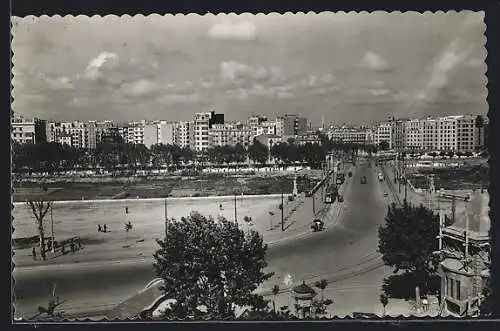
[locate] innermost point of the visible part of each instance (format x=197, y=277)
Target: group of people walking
x=103, y=228
x=74, y=246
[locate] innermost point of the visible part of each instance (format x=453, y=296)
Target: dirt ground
x=121, y=188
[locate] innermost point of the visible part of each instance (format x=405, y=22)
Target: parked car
x=340, y=198
x=386, y=194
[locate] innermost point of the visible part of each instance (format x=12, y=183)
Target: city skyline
x=335, y=66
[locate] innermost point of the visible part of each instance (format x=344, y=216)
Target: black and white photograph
x=250, y=167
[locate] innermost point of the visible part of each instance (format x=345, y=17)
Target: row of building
x=205, y=130
x=459, y=133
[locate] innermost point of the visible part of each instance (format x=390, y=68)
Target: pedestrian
x=79, y=244
x=126, y=210
x=425, y=304
x=99, y=229
x=63, y=248
x=72, y=246
x=105, y=228
x=33, y=253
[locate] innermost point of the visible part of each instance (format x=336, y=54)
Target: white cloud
x=109, y=60
x=379, y=92
x=179, y=99
x=60, y=83
x=445, y=65
x=475, y=62
x=139, y=88
x=233, y=31
x=231, y=71
x=374, y=62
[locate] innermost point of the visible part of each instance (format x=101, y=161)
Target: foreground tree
x=211, y=264
x=407, y=242
x=39, y=209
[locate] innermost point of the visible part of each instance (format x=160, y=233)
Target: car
x=317, y=225
x=386, y=194
x=340, y=198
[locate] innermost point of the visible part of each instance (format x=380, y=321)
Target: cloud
x=374, y=62
x=233, y=31
x=60, y=83
x=379, y=92
x=170, y=99
x=475, y=62
x=105, y=60
x=139, y=88
x=231, y=71
x=258, y=90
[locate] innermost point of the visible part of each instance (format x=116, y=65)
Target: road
x=341, y=252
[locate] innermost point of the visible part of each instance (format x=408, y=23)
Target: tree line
x=52, y=157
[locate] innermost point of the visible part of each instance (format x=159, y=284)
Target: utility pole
x=406, y=188
x=282, y=213
x=166, y=217
x=314, y=204
x=235, y=212
x=466, y=229
x=52, y=226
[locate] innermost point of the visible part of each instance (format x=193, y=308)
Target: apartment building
x=166, y=133
x=398, y=133
x=384, y=132
x=430, y=129
x=32, y=130
x=348, y=135
x=230, y=134
x=202, y=124
x=467, y=133
x=184, y=134
x=414, y=134
x=70, y=133
x=292, y=125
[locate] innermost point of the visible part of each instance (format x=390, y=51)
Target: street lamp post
x=52, y=227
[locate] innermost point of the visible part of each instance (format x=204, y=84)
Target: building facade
x=202, y=124
x=28, y=131
x=348, y=135
x=184, y=134
x=230, y=134
x=383, y=132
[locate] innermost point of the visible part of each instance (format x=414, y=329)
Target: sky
x=343, y=68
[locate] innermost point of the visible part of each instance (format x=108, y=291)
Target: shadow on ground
x=403, y=286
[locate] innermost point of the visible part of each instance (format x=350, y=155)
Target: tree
x=258, y=152
x=384, y=145
x=276, y=291
x=384, y=300
x=321, y=284
x=210, y=263
x=407, y=241
x=39, y=209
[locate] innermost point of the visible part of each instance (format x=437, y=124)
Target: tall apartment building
x=184, y=134
x=70, y=133
x=384, y=132
x=150, y=136
x=414, y=134
x=398, y=133
x=230, y=134
x=447, y=133
x=166, y=133
x=32, y=130
x=430, y=129
x=202, y=124
x=293, y=124
x=467, y=133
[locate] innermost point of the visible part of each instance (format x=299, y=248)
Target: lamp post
x=52, y=227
